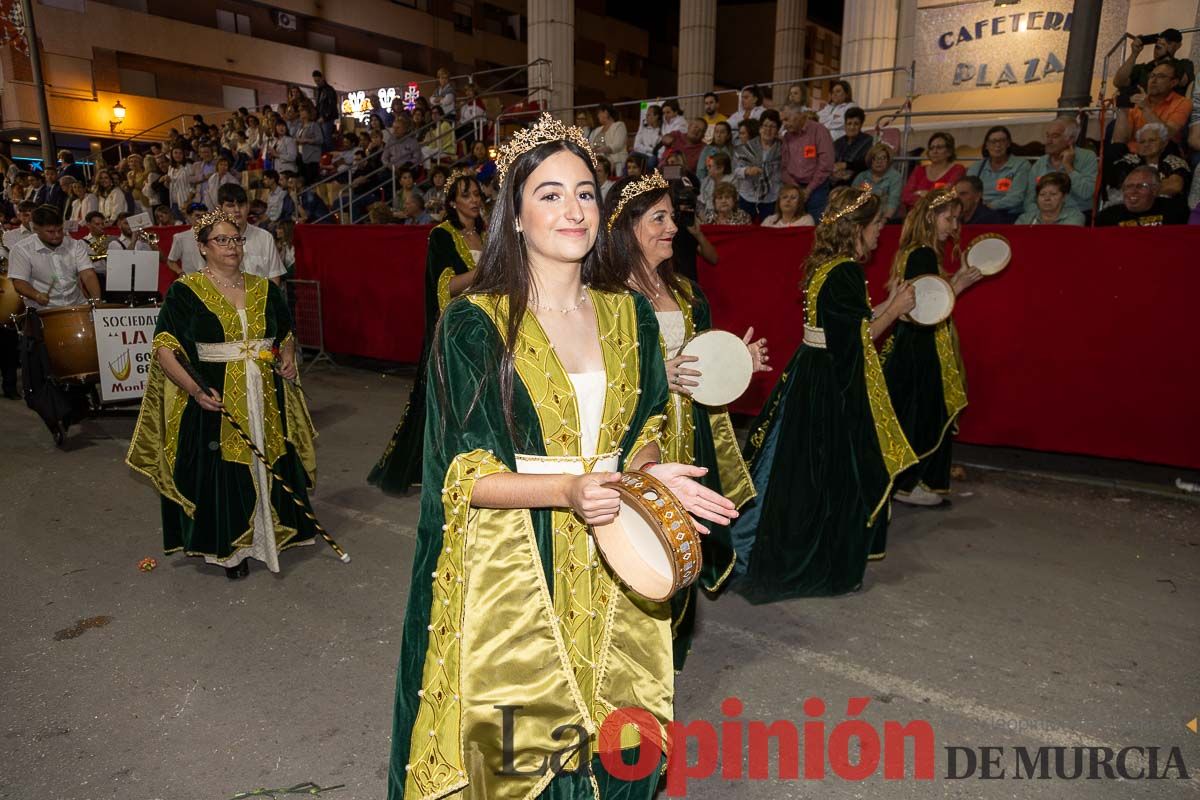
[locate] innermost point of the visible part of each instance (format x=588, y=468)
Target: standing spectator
x=649, y=135
x=1052, y=192
x=261, y=257
x=472, y=117
x=184, y=256
x=881, y=179
x=81, y=203
x=219, y=178
x=788, y=213
x=751, y=107
x=281, y=150
x=690, y=145
x=404, y=149
x=51, y=193
x=112, y=199
x=757, y=170
x=604, y=171
x=443, y=95
x=833, y=114
x=850, y=151
x=1005, y=178
x=1140, y=204
x=67, y=165
x=722, y=142
x=673, y=121
x=1159, y=103
x=942, y=170
x=635, y=165
x=1077, y=163
x=725, y=210
x=797, y=95
x=970, y=193
x=280, y=207
x=327, y=108
x=1154, y=150
x=254, y=135
x=1132, y=76
x=712, y=115
x=178, y=183
x=720, y=171
x=163, y=216
x=200, y=171
x=609, y=138
x=481, y=161
x=807, y=158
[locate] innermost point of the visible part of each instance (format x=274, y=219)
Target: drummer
x=49, y=270
x=642, y=228
x=922, y=364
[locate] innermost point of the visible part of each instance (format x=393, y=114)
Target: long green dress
x=212, y=485
x=696, y=434
x=927, y=383
x=823, y=453
x=515, y=607
x=446, y=256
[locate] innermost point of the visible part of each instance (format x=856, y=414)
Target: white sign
x=140, y=221
x=125, y=347
x=132, y=270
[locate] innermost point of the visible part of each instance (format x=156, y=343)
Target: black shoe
x=238, y=572
x=60, y=434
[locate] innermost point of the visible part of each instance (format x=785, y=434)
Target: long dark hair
x=458, y=190
x=621, y=252
x=503, y=268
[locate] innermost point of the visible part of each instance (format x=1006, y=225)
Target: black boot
x=238, y=572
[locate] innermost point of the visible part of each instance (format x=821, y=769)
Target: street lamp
x=118, y=111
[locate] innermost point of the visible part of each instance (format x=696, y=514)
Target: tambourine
x=935, y=300
x=989, y=253
x=724, y=364
x=652, y=545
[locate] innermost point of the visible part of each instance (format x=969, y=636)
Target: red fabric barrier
x=1079, y=346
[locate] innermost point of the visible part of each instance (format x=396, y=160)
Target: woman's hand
x=210, y=401
x=758, y=351
x=964, y=279
x=700, y=501
x=287, y=367
x=903, y=299
x=593, y=499
x=678, y=375
x=753, y=172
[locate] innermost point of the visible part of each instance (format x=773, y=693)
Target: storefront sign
x=125, y=347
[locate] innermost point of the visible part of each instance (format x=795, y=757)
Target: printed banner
x=124, y=345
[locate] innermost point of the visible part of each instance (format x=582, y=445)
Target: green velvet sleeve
x=922, y=261
x=701, y=310
x=279, y=317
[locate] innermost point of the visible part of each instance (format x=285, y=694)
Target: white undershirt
x=589, y=395
x=671, y=328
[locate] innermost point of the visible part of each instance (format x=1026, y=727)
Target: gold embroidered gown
x=218, y=500
x=516, y=608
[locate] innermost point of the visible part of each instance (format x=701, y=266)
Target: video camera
x=683, y=195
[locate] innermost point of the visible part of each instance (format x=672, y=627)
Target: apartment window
x=391, y=58
x=230, y=22
x=238, y=97
x=322, y=42
x=139, y=82
x=463, y=21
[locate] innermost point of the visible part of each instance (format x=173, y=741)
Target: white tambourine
x=935, y=300
x=988, y=253
x=724, y=364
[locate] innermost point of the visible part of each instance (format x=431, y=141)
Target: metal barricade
x=304, y=297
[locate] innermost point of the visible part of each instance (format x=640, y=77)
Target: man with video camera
x=690, y=241
x=1133, y=77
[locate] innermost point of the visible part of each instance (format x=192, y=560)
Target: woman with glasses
x=218, y=500
x=1005, y=177
x=941, y=171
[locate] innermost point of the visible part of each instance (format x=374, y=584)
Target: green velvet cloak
x=823, y=454
x=925, y=378
x=399, y=467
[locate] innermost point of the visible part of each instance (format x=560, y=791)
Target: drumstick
x=195, y=375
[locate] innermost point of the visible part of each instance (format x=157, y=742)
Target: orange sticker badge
x=1003, y=184
x=810, y=151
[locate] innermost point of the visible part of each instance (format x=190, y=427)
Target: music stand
x=132, y=276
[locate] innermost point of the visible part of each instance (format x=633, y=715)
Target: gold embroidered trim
x=897, y=454
x=813, y=290
x=464, y=253
x=679, y=435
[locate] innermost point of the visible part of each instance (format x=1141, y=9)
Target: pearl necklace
x=568, y=310
x=212, y=277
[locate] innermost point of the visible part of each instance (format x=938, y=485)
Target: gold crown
x=212, y=218
x=548, y=129
x=943, y=196
x=654, y=180
x=458, y=173
x=858, y=203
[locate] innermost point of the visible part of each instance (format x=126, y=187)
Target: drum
x=652, y=545
x=70, y=337
x=724, y=364
x=935, y=300
x=10, y=301
x=988, y=253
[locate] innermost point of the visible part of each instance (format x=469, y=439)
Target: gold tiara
x=654, y=180
x=943, y=196
x=460, y=173
x=858, y=203
x=212, y=218
x=548, y=129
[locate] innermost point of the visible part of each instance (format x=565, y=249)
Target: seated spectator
x=797, y=95
x=435, y=195
x=604, y=170
x=712, y=115
x=584, y=121
x=309, y=207
x=635, y=165
x=690, y=145
x=970, y=193
x=719, y=171
x=112, y=199
x=443, y=95
x=674, y=124
x=1132, y=76
x=649, y=135
x=609, y=137
x=850, y=151
x=722, y=142
x=833, y=114
x=1077, y=163
x=404, y=149
x=725, y=209
x=1141, y=204
x=281, y=152
x=407, y=188
x=438, y=144
x=254, y=135
x=1154, y=150
x=481, y=161
x=380, y=213
x=751, y=107
x=222, y=176
x=1053, y=190
x=881, y=179
x=1005, y=178
x=163, y=217
x=747, y=131
x=757, y=168
x=788, y=213
x=472, y=117
x=942, y=170
x=807, y=157
x=413, y=212
x=1193, y=200
x=1159, y=103
x=280, y=206
x=82, y=202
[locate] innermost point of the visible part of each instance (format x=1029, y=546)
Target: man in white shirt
x=280, y=207
x=184, y=255
x=129, y=238
x=96, y=242
x=47, y=269
x=200, y=171
x=24, y=215
x=260, y=256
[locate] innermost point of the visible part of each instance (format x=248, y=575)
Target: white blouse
x=589, y=396
x=672, y=330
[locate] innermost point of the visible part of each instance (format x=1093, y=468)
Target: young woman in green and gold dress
x=922, y=364
x=454, y=248
x=639, y=246
x=545, y=379
x=218, y=500
x=827, y=445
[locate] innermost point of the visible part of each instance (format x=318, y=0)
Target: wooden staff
x=204, y=387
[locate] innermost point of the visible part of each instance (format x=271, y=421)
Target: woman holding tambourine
x=641, y=232
x=922, y=362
